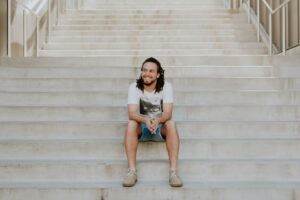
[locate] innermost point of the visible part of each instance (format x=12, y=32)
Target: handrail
x=36, y=14
x=271, y=13
x=26, y=8
x=9, y=29
x=25, y=30
x=283, y=4
x=268, y=6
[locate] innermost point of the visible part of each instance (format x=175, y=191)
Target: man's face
x=149, y=73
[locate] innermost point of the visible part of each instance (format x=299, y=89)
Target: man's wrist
x=159, y=120
x=145, y=120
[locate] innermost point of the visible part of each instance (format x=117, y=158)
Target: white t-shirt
x=150, y=103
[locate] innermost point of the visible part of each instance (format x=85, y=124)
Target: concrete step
x=95, y=21
x=152, y=11
x=215, y=26
x=149, y=190
x=146, y=2
x=134, y=72
x=114, y=170
x=108, y=113
x=149, y=32
x=110, y=61
x=287, y=71
x=109, y=84
x=251, y=46
x=153, y=6
x=86, y=130
x=114, y=149
x=167, y=52
x=202, y=98
x=149, y=3
x=168, y=15
x=134, y=4
x=287, y=66
x=157, y=16
x=157, y=38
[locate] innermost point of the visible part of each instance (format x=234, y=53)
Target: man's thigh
x=168, y=126
x=134, y=127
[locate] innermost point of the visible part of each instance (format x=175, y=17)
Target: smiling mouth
x=146, y=78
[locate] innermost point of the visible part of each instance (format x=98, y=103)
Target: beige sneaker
x=130, y=178
x=175, y=180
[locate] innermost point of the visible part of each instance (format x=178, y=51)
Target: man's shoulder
x=167, y=85
x=132, y=85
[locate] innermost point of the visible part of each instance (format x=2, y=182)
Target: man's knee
x=170, y=124
x=132, y=124
x=132, y=127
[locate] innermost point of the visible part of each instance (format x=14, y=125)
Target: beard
x=148, y=83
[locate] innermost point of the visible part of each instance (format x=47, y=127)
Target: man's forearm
x=165, y=117
x=138, y=118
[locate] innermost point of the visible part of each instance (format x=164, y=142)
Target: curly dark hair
x=161, y=79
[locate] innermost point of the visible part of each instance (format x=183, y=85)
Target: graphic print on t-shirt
x=151, y=108
x=150, y=103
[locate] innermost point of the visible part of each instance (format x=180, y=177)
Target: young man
x=150, y=106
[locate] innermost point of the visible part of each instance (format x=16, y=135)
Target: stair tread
x=152, y=184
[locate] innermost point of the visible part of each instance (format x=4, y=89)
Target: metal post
x=49, y=19
x=9, y=29
x=78, y=5
x=249, y=6
x=24, y=34
x=65, y=5
x=287, y=24
x=37, y=35
x=283, y=30
x=258, y=20
x=58, y=10
x=270, y=33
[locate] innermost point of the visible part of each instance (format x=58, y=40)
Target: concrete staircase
x=62, y=123
x=62, y=120
x=128, y=28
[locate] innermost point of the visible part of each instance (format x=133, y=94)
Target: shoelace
x=173, y=173
x=130, y=172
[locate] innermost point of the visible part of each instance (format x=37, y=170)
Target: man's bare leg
x=172, y=142
x=131, y=143
x=169, y=130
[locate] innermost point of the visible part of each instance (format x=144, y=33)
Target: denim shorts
x=148, y=136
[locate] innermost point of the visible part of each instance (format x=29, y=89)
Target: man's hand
x=152, y=125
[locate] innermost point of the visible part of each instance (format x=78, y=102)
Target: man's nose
x=147, y=72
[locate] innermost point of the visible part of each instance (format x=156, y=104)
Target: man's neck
x=150, y=88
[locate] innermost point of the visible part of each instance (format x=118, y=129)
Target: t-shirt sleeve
x=133, y=97
x=168, y=93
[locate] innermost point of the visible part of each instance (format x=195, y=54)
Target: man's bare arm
x=167, y=114
x=133, y=114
